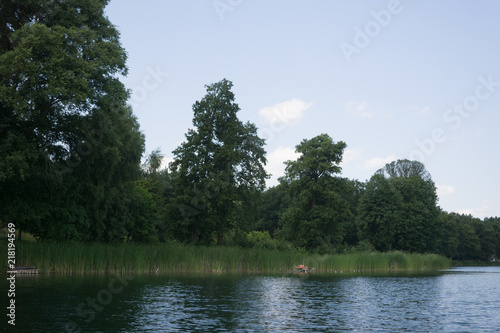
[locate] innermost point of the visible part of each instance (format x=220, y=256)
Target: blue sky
x=393, y=79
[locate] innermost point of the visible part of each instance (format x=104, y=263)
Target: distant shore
x=463, y=263
x=79, y=258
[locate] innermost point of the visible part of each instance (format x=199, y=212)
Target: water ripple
x=456, y=300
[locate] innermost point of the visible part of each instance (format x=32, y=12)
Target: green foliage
x=320, y=157
x=220, y=164
x=158, y=184
x=71, y=163
x=379, y=212
x=153, y=163
x=405, y=169
x=469, y=238
x=71, y=145
x=450, y=240
x=274, y=202
x=351, y=191
x=400, y=211
x=318, y=212
x=419, y=230
x=143, y=216
x=493, y=227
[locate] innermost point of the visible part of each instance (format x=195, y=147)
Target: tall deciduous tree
x=418, y=228
x=319, y=212
x=405, y=169
x=379, y=212
x=218, y=167
x=64, y=123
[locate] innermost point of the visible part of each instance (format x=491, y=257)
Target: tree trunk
x=219, y=239
x=20, y=231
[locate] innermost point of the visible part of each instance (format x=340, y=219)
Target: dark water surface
x=464, y=299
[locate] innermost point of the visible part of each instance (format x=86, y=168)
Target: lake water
x=465, y=299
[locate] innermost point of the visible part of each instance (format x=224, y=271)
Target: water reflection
x=269, y=303
x=283, y=304
x=461, y=299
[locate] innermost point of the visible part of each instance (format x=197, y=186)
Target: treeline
x=395, y=210
x=71, y=165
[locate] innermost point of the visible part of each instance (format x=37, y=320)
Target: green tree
x=379, y=212
x=493, y=225
x=450, y=237
x=469, y=245
x=151, y=166
x=274, y=202
x=318, y=212
x=158, y=183
x=143, y=217
x=351, y=191
x=218, y=168
x=405, y=169
x=419, y=228
x=107, y=174
x=64, y=123
x=486, y=239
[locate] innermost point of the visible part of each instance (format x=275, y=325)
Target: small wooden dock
x=26, y=270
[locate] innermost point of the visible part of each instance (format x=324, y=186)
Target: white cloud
x=378, y=162
x=165, y=162
x=445, y=190
x=421, y=111
x=351, y=155
x=480, y=212
x=275, y=164
x=288, y=113
x=358, y=109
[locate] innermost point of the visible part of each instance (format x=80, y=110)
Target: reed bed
x=78, y=258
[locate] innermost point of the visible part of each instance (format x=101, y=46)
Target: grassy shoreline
x=78, y=258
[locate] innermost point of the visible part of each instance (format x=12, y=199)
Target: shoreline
x=173, y=258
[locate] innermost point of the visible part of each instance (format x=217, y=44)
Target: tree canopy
x=318, y=213
x=69, y=142
x=71, y=165
x=220, y=164
x=399, y=211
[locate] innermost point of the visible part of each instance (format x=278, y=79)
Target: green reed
x=79, y=258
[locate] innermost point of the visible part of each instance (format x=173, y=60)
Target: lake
x=463, y=299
